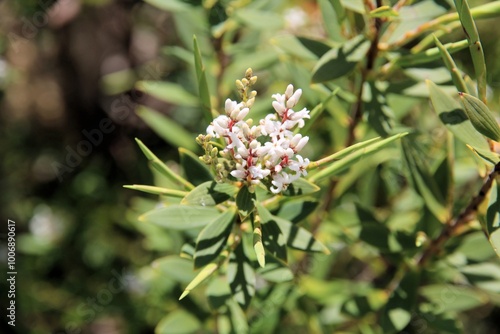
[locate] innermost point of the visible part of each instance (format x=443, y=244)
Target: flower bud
x=248, y=73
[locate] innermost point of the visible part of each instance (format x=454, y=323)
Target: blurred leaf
x=187, y=251
x=317, y=47
x=218, y=292
x=330, y=20
x=295, y=236
x=168, y=92
x=275, y=272
x=480, y=116
x=297, y=210
x=196, y=171
x=455, y=298
x=454, y=118
x=397, y=312
x=238, y=318
x=174, y=267
x=157, y=190
x=429, y=55
x=456, y=76
x=490, y=217
x=210, y=193
x=349, y=159
x=259, y=19
x=181, y=217
x=356, y=6
x=178, y=322
x=244, y=201
x=241, y=277
x=169, y=5
x=341, y=60
x=213, y=238
x=203, y=90
x=384, y=12
x=372, y=231
x=301, y=187
x=380, y=115
x=475, y=248
x=294, y=47
x=169, y=130
x=258, y=246
x=423, y=182
x=161, y=167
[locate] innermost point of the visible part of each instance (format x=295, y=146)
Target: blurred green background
x=65, y=69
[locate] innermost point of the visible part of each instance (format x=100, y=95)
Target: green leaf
x=380, y=115
x=259, y=19
x=384, y=12
x=170, y=5
x=187, y=251
x=340, y=61
x=181, y=217
x=241, y=277
x=174, y=267
x=244, y=201
x=297, y=210
x=456, y=76
x=296, y=237
x=238, y=318
x=213, y=238
x=274, y=240
x=348, y=160
x=203, y=90
x=275, y=272
x=458, y=298
x=204, y=273
x=423, y=182
x=429, y=54
x=218, y=292
x=301, y=187
x=398, y=311
x=258, y=246
x=315, y=46
x=168, y=92
x=166, y=128
x=490, y=217
x=480, y=116
x=454, y=118
x=161, y=167
x=210, y=193
x=178, y=322
x=157, y=190
x=195, y=170
x=330, y=20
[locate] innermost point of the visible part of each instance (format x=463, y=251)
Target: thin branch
x=453, y=225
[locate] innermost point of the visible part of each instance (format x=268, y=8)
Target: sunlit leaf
x=175, y=268
x=201, y=77
x=178, y=322
x=181, y=217
x=166, y=128
x=384, y=12
x=212, y=239
x=241, y=277
x=170, y=5
x=340, y=61
x=301, y=187
x=218, y=292
x=297, y=210
x=210, y=193
x=168, y=92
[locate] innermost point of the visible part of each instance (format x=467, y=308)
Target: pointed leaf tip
x=184, y=294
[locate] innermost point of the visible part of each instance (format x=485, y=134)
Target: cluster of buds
x=266, y=152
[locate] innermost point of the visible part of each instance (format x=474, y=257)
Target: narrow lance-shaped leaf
x=203, y=90
x=489, y=216
x=213, y=238
x=456, y=76
x=181, y=217
x=168, y=92
x=210, y=193
x=241, y=277
x=157, y=190
x=480, y=116
x=169, y=130
x=475, y=47
x=202, y=275
x=161, y=167
x=244, y=202
x=339, y=166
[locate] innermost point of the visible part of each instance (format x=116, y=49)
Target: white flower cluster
x=256, y=157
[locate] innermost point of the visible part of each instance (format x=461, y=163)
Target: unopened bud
x=253, y=93
x=250, y=102
x=239, y=85
x=253, y=80
x=248, y=73
x=245, y=81
x=213, y=152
